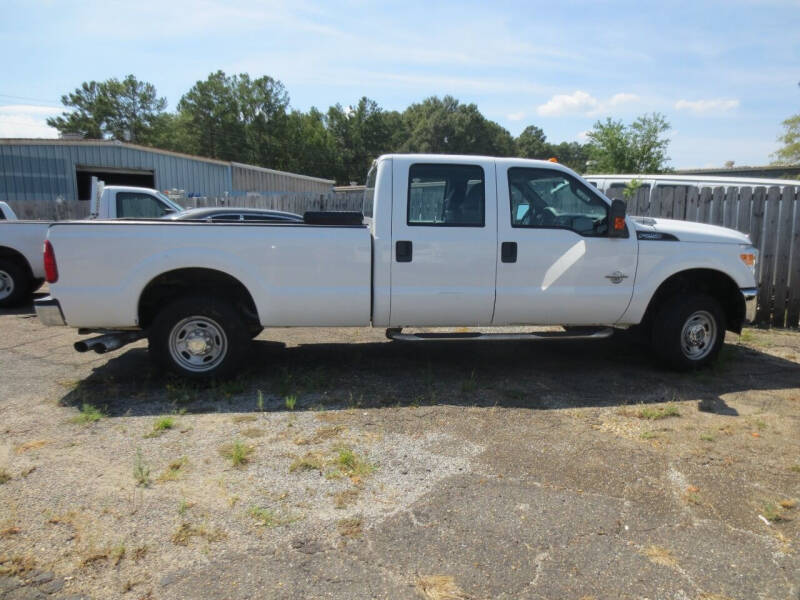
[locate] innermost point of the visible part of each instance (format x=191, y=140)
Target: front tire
x=15, y=283
x=199, y=337
x=688, y=332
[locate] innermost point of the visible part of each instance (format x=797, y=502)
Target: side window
x=226, y=218
x=139, y=206
x=545, y=198
x=446, y=195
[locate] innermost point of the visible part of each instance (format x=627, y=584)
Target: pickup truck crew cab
x=454, y=241
x=21, y=267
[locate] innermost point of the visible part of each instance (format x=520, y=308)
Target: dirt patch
x=340, y=464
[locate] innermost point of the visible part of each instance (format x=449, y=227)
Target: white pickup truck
x=21, y=268
x=454, y=241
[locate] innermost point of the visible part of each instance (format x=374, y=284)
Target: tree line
x=250, y=120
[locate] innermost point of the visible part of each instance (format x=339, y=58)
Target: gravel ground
x=342, y=465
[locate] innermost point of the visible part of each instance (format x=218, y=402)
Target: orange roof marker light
x=552, y=159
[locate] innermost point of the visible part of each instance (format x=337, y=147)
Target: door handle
x=403, y=251
x=508, y=252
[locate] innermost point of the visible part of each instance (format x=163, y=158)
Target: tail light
x=50, y=266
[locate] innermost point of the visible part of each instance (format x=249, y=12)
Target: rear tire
x=199, y=337
x=15, y=283
x=688, y=331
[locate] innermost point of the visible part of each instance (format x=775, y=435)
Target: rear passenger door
x=444, y=240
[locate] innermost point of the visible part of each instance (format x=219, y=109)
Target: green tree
x=309, y=146
x=636, y=148
x=360, y=134
x=445, y=126
x=532, y=143
x=790, y=153
x=123, y=110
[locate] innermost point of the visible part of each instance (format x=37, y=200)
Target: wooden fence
x=771, y=216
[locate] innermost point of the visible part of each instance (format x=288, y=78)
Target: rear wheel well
x=17, y=257
x=716, y=284
x=172, y=285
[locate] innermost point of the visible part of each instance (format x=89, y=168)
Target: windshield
x=173, y=205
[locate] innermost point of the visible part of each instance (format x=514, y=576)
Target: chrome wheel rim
x=6, y=285
x=699, y=335
x=198, y=344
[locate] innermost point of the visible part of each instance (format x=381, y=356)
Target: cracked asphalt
x=377, y=469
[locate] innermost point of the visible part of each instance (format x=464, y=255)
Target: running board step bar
x=595, y=334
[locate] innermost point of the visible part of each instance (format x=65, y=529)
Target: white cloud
x=700, y=107
x=583, y=103
x=27, y=121
x=517, y=116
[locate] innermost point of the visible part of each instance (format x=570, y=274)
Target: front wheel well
x=172, y=285
x=716, y=284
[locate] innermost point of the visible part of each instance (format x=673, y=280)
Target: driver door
x=556, y=264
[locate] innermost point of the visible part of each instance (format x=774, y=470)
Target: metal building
x=43, y=169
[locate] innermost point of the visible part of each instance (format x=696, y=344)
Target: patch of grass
x=290, y=401
x=762, y=425
x=230, y=387
x=186, y=531
x=88, y=414
x=117, y=553
x=352, y=527
x=174, y=469
x=706, y=437
x=351, y=464
x=269, y=518
x=253, y=432
x=237, y=452
x=244, y=418
x=16, y=565
x=648, y=435
x=181, y=392
x=345, y=498
x=773, y=512
x=32, y=445
x=439, y=587
x=141, y=472
x=312, y=461
x=320, y=435
x=747, y=336
x=161, y=425
x=660, y=556
x=5, y=476
x=654, y=413
x=183, y=506
x=795, y=468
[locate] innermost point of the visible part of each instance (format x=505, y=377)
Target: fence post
x=793, y=312
x=765, y=287
x=743, y=218
x=782, y=256
x=716, y=211
x=692, y=201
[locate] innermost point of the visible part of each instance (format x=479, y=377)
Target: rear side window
x=446, y=195
x=139, y=206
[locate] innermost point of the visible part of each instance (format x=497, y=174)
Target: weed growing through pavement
x=237, y=452
x=658, y=412
x=290, y=401
x=260, y=401
x=174, y=469
x=88, y=414
x=772, y=512
x=141, y=472
x=161, y=425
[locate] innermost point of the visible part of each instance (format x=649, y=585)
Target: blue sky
x=724, y=73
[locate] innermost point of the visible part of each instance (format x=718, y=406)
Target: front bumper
x=749, y=303
x=49, y=311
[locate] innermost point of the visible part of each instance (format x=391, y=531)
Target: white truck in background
x=454, y=241
x=21, y=267
x=6, y=214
